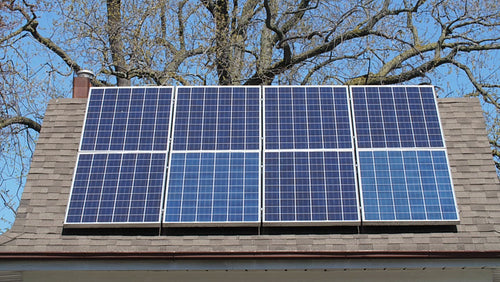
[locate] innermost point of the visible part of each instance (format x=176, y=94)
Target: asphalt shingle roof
x=39, y=223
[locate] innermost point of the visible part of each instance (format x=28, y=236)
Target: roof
x=38, y=229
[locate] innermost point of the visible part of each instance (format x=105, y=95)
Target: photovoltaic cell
x=213, y=187
x=217, y=118
x=310, y=186
x=396, y=117
x=406, y=186
x=307, y=118
x=127, y=119
x=117, y=188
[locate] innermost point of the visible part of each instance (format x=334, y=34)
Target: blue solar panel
x=396, y=117
x=310, y=186
x=127, y=119
x=213, y=187
x=217, y=118
x=117, y=188
x=406, y=186
x=307, y=117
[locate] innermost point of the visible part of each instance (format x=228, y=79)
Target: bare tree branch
x=31, y=27
x=486, y=96
x=22, y=121
x=287, y=53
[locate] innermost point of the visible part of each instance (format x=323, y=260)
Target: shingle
x=39, y=222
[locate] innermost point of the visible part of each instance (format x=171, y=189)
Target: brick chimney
x=82, y=83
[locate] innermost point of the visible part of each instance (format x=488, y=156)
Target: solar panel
x=117, y=188
x=307, y=118
x=213, y=187
x=127, y=119
x=406, y=186
x=396, y=117
x=403, y=169
x=310, y=187
x=215, y=158
x=309, y=174
x=217, y=118
x=120, y=171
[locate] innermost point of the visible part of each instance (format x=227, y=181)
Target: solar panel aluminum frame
x=172, y=224
x=399, y=222
x=156, y=224
x=298, y=223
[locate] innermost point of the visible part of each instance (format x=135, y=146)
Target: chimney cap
x=85, y=73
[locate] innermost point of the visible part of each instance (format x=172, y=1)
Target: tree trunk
x=116, y=42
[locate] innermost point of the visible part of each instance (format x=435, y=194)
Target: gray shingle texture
x=39, y=224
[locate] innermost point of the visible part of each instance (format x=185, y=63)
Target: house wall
x=261, y=276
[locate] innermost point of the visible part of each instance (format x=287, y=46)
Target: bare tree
x=454, y=45
x=25, y=88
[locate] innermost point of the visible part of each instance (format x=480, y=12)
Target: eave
x=249, y=261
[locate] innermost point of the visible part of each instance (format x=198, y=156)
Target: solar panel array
x=269, y=155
